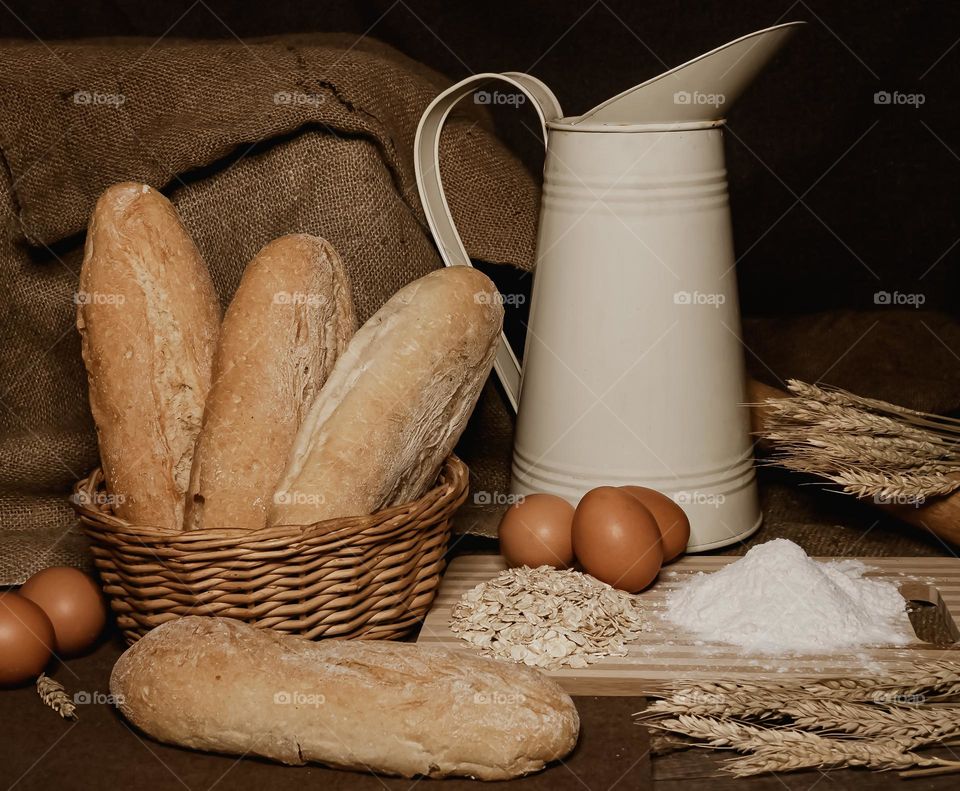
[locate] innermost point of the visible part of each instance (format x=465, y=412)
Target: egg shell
x=72, y=602
x=26, y=639
x=536, y=531
x=616, y=539
x=671, y=519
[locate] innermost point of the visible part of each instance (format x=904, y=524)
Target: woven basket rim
x=450, y=484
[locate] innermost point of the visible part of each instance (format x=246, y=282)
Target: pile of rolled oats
x=547, y=618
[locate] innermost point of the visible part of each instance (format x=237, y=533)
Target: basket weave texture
x=369, y=577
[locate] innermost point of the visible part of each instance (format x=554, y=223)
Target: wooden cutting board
x=664, y=653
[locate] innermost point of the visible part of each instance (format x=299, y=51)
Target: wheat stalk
x=909, y=488
x=780, y=749
x=888, y=486
x=836, y=395
x=872, y=755
x=869, y=447
x=752, y=701
x=788, y=414
x=921, y=681
x=918, y=726
x=875, y=722
x=55, y=696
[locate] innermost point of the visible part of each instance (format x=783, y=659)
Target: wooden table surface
x=39, y=751
x=100, y=750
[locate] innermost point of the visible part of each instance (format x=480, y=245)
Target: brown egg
x=672, y=521
x=26, y=639
x=72, y=601
x=616, y=539
x=536, y=532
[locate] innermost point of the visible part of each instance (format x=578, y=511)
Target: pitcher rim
x=569, y=124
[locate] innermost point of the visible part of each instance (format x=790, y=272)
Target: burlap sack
x=315, y=134
x=250, y=141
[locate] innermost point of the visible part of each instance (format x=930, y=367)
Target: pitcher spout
x=699, y=91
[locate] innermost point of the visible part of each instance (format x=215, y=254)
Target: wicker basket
x=370, y=577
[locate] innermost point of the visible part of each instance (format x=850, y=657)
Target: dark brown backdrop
x=835, y=197
x=876, y=215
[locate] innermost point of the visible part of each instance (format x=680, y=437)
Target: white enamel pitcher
x=633, y=366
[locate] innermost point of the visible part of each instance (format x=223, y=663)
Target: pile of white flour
x=776, y=600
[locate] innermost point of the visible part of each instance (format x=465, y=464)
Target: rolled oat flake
x=547, y=618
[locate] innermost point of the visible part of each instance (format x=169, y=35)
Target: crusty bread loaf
x=397, y=708
x=148, y=318
x=290, y=319
x=395, y=403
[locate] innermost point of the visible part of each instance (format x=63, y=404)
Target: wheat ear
x=836, y=395
x=781, y=749
x=869, y=447
x=922, y=680
x=918, y=726
x=55, y=696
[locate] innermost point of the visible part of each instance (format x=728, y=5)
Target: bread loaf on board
x=290, y=319
x=148, y=318
x=395, y=403
x=397, y=708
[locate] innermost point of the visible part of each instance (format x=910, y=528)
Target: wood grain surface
x=664, y=653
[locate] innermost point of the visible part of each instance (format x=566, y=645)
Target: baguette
x=291, y=317
x=395, y=403
x=148, y=318
x=397, y=708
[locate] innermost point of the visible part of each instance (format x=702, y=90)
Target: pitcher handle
x=427, y=165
